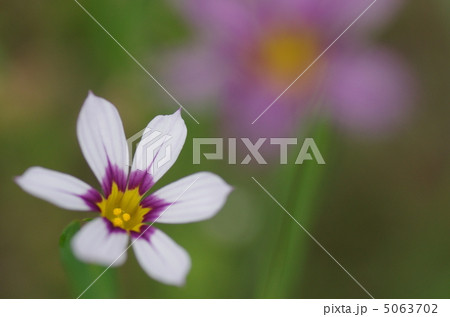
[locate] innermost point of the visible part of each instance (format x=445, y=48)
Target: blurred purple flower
x=248, y=52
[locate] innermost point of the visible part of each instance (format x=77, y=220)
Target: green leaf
x=82, y=275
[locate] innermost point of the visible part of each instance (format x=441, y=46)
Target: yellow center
x=282, y=55
x=123, y=209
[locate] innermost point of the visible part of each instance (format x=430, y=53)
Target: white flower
x=125, y=210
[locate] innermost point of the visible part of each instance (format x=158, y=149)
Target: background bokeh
x=384, y=204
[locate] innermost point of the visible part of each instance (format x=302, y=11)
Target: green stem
x=82, y=275
x=290, y=248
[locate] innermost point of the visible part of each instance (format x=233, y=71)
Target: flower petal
x=193, y=198
x=369, y=91
x=277, y=121
x=224, y=17
x=340, y=14
x=195, y=74
x=161, y=258
x=60, y=189
x=102, y=141
x=160, y=145
x=99, y=242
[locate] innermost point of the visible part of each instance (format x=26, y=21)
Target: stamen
x=117, y=211
x=117, y=222
x=126, y=217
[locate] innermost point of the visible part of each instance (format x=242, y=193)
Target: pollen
x=117, y=222
x=126, y=217
x=117, y=211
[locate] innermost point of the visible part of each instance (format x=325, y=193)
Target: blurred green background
x=384, y=205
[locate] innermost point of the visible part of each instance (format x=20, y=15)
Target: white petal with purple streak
x=193, y=198
x=60, y=189
x=99, y=243
x=101, y=137
x=162, y=259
